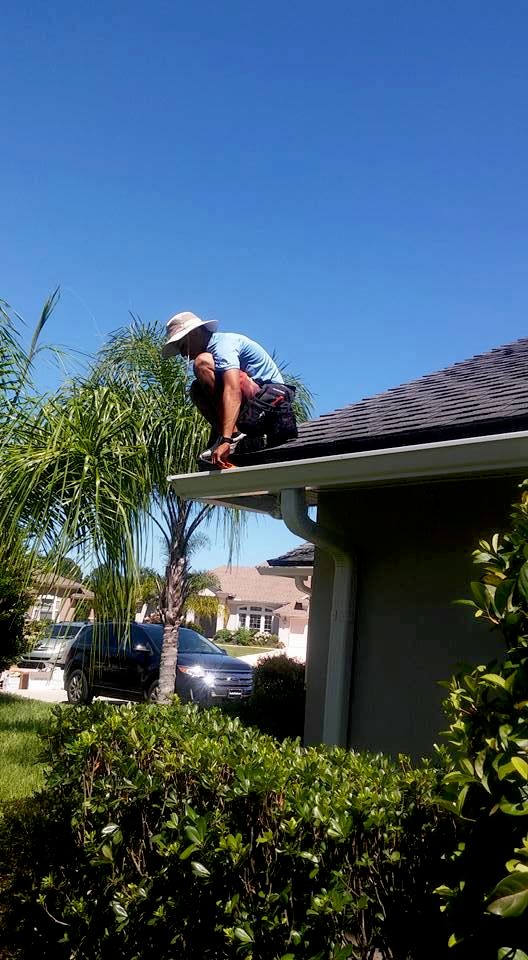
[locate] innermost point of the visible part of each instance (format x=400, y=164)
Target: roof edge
x=503, y=453
x=288, y=570
x=304, y=448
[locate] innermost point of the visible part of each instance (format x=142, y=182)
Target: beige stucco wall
x=414, y=548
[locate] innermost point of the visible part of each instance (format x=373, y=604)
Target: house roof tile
x=248, y=586
x=485, y=394
x=293, y=609
x=52, y=581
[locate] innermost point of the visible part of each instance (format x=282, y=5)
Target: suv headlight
x=197, y=671
x=194, y=671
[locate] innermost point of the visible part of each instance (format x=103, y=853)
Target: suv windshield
x=58, y=633
x=192, y=642
x=188, y=642
x=61, y=630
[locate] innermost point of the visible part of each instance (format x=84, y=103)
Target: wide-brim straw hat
x=179, y=326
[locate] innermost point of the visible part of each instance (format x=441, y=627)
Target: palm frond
x=47, y=310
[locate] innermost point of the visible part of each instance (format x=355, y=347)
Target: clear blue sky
x=344, y=181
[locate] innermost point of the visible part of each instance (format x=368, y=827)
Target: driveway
x=254, y=658
x=49, y=690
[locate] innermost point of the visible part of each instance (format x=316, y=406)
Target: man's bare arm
x=231, y=400
x=230, y=408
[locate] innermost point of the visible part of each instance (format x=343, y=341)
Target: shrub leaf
x=510, y=896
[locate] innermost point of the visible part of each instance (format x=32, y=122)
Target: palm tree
x=15, y=383
x=89, y=470
x=172, y=434
x=109, y=588
x=18, y=405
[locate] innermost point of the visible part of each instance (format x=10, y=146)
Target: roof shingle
x=486, y=394
x=302, y=556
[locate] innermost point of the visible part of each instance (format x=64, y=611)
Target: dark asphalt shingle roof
x=483, y=395
x=302, y=556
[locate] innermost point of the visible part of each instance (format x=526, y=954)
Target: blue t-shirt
x=234, y=351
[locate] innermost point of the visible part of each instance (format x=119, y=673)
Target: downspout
x=340, y=642
x=302, y=585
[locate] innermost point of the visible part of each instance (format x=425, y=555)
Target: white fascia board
x=498, y=453
x=285, y=571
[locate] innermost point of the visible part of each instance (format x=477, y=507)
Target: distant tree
x=19, y=404
x=60, y=566
x=200, y=599
x=193, y=597
x=16, y=597
x=150, y=585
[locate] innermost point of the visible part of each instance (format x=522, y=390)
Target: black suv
x=111, y=661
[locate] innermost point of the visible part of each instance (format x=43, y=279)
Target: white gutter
x=299, y=574
x=291, y=571
x=303, y=586
x=342, y=617
x=504, y=453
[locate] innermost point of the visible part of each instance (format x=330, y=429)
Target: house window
x=242, y=616
x=256, y=618
x=45, y=608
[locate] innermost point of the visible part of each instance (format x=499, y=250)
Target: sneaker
x=204, y=460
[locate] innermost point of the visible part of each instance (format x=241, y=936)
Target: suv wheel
x=77, y=689
x=153, y=692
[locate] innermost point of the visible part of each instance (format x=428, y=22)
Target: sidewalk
x=254, y=658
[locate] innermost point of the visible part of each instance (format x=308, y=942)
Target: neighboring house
x=296, y=565
x=271, y=605
x=293, y=627
x=58, y=599
x=405, y=483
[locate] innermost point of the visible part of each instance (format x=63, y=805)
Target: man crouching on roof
x=238, y=388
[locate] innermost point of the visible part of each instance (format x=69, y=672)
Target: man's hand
x=219, y=454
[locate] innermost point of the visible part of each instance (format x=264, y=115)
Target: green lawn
x=22, y=724
x=236, y=650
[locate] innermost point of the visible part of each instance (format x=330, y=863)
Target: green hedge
x=247, y=638
x=277, y=703
x=171, y=832
x=486, y=898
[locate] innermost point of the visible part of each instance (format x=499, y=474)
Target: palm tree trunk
x=171, y=614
